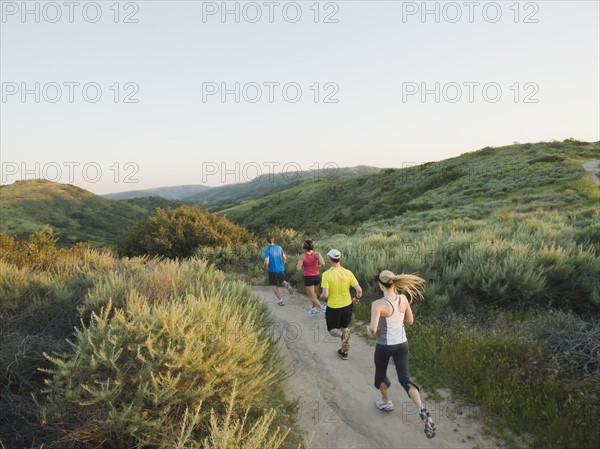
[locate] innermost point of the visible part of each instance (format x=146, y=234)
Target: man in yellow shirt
x=336, y=283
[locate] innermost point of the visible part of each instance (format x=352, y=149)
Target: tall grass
x=509, y=261
x=517, y=382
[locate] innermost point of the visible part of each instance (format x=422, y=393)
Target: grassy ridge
x=74, y=213
x=474, y=185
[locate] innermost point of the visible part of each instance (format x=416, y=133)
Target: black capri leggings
x=382, y=359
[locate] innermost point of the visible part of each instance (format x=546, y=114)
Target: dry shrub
x=135, y=373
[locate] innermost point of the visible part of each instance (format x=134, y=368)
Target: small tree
x=178, y=233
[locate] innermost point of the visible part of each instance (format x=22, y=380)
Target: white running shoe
x=388, y=406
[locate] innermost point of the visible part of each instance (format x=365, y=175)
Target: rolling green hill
x=236, y=194
x=73, y=213
x=521, y=177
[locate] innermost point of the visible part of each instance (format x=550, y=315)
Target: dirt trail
x=337, y=397
x=593, y=170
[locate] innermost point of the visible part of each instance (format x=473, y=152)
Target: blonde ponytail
x=411, y=284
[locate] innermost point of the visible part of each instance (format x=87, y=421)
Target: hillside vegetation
x=75, y=214
x=517, y=178
x=165, y=354
x=523, y=231
x=218, y=198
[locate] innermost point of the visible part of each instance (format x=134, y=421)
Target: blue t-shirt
x=275, y=254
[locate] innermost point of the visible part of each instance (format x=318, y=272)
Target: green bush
x=135, y=372
x=547, y=158
x=496, y=273
x=38, y=251
x=178, y=233
x=508, y=260
x=244, y=259
x=163, y=281
x=288, y=238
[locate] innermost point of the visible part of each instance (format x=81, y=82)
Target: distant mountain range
x=230, y=195
x=170, y=193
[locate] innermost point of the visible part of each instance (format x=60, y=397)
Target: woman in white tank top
x=388, y=316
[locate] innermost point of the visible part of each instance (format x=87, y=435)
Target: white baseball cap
x=334, y=254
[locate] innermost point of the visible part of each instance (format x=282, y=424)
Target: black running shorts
x=276, y=278
x=338, y=318
x=312, y=280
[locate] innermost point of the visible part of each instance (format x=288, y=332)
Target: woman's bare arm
x=408, y=315
x=300, y=262
x=321, y=261
x=375, y=314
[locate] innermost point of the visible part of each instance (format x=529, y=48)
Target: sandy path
x=337, y=407
x=593, y=170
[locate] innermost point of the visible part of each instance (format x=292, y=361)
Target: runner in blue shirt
x=274, y=263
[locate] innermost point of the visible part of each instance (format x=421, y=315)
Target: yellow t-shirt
x=338, y=281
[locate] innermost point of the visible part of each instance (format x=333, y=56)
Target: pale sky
x=538, y=62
